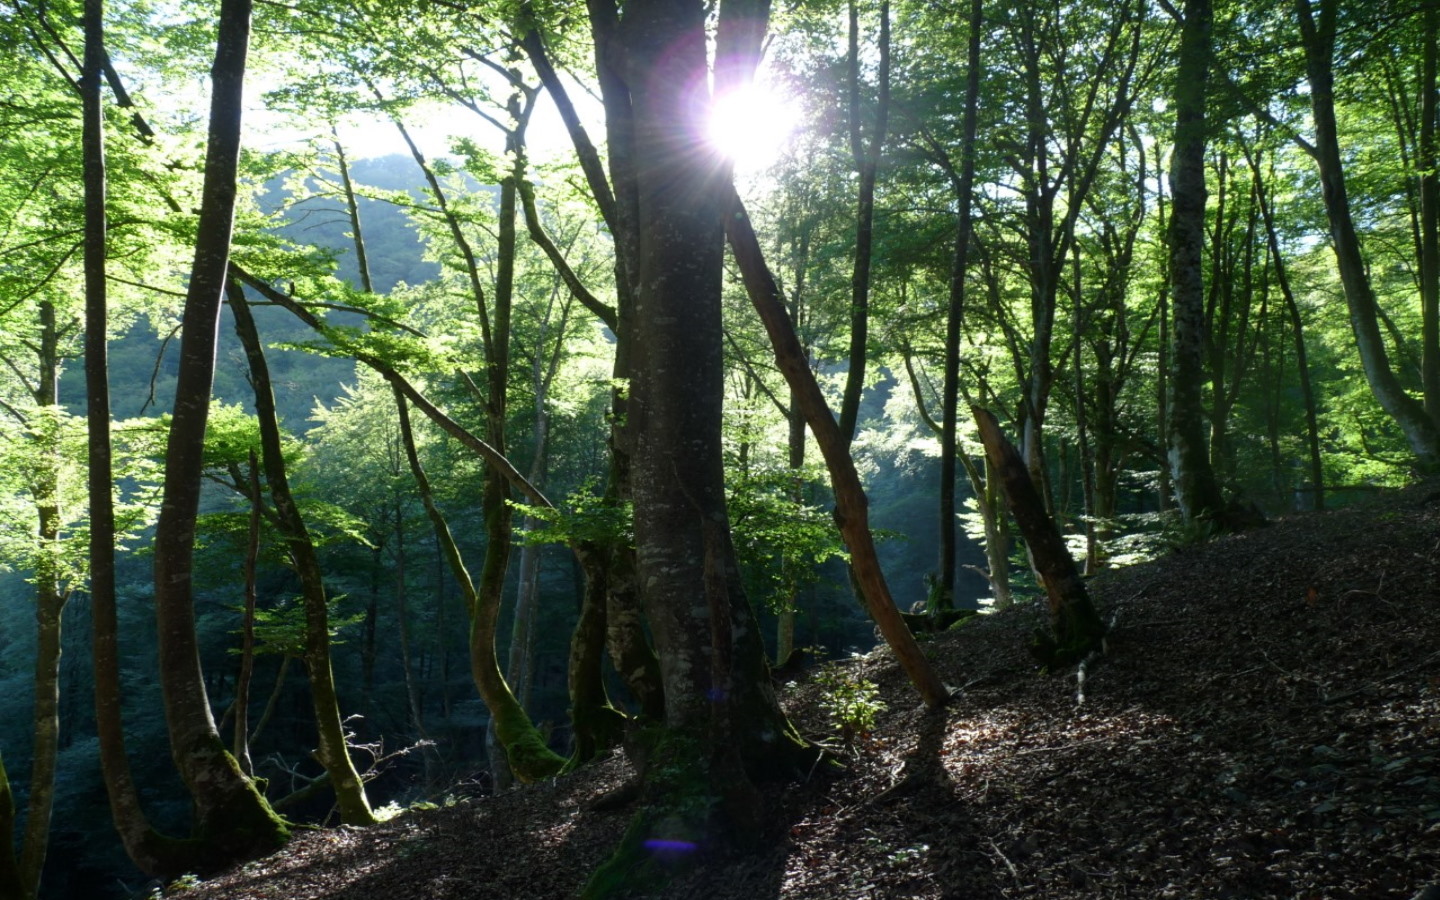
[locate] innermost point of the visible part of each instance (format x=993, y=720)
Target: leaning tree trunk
x=1420, y=428
x=230, y=814
x=851, y=505
x=1075, y=627
x=332, y=752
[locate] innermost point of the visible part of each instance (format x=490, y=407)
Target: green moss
x=531, y=760
x=682, y=819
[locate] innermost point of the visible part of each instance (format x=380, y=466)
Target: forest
x=406, y=400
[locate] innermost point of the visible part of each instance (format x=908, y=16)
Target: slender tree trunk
x=1196, y=490
x=1297, y=330
x=1420, y=428
x=152, y=853
x=402, y=620
x=867, y=163
x=332, y=751
x=950, y=397
x=352, y=211
x=851, y=505
x=1075, y=626
x=526, y=752
x=241, y=741
x=1429, y=167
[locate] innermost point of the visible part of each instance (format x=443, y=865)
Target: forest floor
x=1266, y=723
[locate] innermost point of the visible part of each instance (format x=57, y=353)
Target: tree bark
x=851, y=505
x=153, y=854
x=231, y=816
x=331, y=752
x=1421, y=430
x=1196, y=491
x=1075, y=627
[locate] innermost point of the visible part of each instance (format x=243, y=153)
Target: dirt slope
x=1266, y=724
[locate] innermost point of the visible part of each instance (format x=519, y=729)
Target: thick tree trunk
x=1075, y=627
x=1196, y=491
x=597, y=724
x=332, y=752
x=721, y=716
x=1421, y=429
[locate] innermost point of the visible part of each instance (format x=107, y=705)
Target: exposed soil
x=1266, y=723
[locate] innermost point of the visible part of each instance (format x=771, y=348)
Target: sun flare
x=751, y=125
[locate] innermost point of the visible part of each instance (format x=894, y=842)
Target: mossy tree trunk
x=722, y=722
x=231, y=818
x=331, y=751
x=529, y=758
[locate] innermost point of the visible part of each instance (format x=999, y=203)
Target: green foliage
x=584, y=515
x=852, y=702
x=781, y=541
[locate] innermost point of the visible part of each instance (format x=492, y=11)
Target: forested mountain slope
x=1264, y=724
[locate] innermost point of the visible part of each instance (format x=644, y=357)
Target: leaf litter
x=1265, y=723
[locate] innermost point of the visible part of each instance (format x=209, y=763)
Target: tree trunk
x=231, y=816
x=950, y=396
x=1428, y=164
x=1420, y=428
x=1297, y=330
x=721, y=715
x=525, y=749
x=1075, y=626
x=1196, y=491
x=241, y=725
x=851, y=505
x=153, y=854
x=866, y=159
x=332, y=752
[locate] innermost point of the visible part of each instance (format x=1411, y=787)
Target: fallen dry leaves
x=1266, y=724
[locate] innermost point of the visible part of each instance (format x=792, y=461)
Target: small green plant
x=851, y=701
